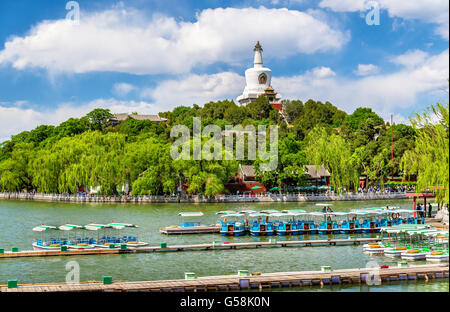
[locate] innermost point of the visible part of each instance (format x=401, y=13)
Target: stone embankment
x=199, y=198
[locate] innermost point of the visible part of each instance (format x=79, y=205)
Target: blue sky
x=151, y=56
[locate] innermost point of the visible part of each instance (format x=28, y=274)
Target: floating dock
x=251, y=281
x=190, y=230
x=209, y=246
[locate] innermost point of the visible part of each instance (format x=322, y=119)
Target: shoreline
x=197, y=199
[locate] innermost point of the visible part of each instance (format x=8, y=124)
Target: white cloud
x=122, y=88
x=366, y=69
x=15, y=119
x=322, y=72
x=384, y=93
x=124, y=40
x=195, y=89
x=343, y=5
x=430, y=11
x=411, y=59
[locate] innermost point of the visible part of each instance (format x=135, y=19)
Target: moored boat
x=232, y=224
x=259, y=225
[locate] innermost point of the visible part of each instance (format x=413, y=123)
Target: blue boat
x=187, y=222
x=232, y=224
x=260, y=224
x=285, y=223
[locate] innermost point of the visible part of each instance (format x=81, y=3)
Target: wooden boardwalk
x=174, y=248
x=258, y=281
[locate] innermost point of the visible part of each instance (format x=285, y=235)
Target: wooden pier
x=190, y=230
x=174, y=248
x=252, y=281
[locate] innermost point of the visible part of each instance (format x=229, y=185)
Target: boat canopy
x=95, y=227
x=120, y=226
x=246, y=211
x=69, y=227
x=234, y=215
x=225, y=212
x=403, y=210
x=325, y=205
x=257, y=214
x=361, y=213
x=43, y=228
x=278, y=214
x=340, y=213
x=191, y=214
x=317, y=213
x=293, y=211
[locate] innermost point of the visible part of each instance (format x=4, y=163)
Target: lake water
x=17, y=218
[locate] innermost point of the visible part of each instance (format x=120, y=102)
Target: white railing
x=200, y=198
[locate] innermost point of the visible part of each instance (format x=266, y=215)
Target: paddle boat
x=76, y=243
x=232, y=224
x=413, y=254
x=246, y=211
x=222, y=212
x=46, y=243
x=130, y=241
x=344, y=222
x=104, y=241
x=437, y=256
x=300, y=221
x=375, y=249
x=327, y=225
x=269, y=211
x=307, y=224
x=395, y=251
x=188, y=215
x=259, y=224
x=285, y=223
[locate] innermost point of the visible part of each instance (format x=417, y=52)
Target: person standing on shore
x=419, y=209
x=429, y=210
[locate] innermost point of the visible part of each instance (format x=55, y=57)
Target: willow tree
x=14, y=171
x=333, y=152
x=92, y=158
x=429, y=159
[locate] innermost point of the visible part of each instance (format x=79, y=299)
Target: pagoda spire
x=258, y=55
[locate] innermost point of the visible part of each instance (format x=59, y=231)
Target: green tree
x=98, y=119
x=430, y=157
x=335, y=154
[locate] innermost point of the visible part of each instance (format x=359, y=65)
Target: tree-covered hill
x=90, y=151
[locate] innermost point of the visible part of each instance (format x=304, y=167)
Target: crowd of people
x=387, y=189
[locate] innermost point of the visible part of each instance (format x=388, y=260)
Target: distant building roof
x=122, y=117
x=318, y=172
x=247, y=171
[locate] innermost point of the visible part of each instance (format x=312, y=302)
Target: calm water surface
x=17, y=218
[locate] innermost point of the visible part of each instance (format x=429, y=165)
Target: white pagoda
x=257, y=81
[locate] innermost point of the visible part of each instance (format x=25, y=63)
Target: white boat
x=437, y=256
x=46, y=243
x=413, y=254
x=130, y=241
x=394, y=252
x=76, y=243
